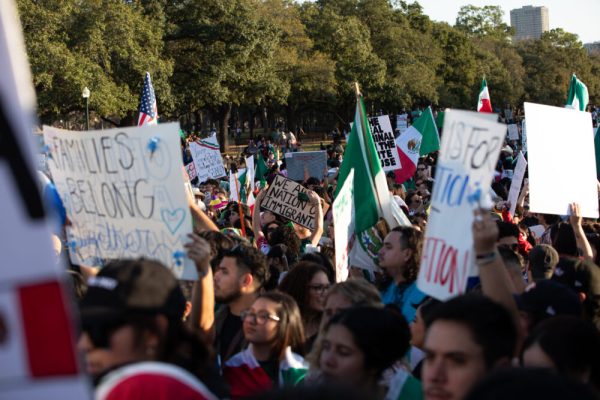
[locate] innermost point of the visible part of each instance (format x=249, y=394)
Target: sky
x=576, y=16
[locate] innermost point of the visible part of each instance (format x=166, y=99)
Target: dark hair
x=411, y=238
x=527, y=384
x=490, y=324
x=285, y=234
x=426, y=308
x=290, y=330
x=219, y=243
x=321, y=259
x=252, y=259
x=78, y=284
x=511, y=258
x=572, y=344
x=564, y=240
x=382, y=334
x=507, y=229
x=295, y=283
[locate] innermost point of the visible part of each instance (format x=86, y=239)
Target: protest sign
x=191, y=170
x=37, y=340
x=517, y=181
x=283, y=198
x=207, y=157
x=469, y=152
x=524, y=136
x=314, y=161
x=343, y=220
x=513, y=132
x=562, y=163
x=385, y=142
x=402, y=122
x=124, y=194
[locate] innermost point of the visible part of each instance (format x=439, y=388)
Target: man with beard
x=237, y=281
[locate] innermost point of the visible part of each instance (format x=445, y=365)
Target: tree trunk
x=225, y=112
x=251, y=123
x=264, y=120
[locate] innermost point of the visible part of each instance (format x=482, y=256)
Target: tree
x=483, y=21
x=104, y=45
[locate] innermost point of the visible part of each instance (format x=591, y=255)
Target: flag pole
x=240, y=208
x=364, y=138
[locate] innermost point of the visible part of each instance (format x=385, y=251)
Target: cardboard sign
x=343, y=219
x=191, y=171
x=282, y=199
x=38, y=359
x=562, y=163
x=517, y=181
x=385, y=142
x=124, y=199
x=402, y=122
x=469, y=152
x=314, y=161
x=207, y=157
x=513, y=132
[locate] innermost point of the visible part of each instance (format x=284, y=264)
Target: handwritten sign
x=190, y=169
x=343, y=218
x=282, y=199
x=207, y=157
x=517, y=181
x=314, y=161
x=513, y=132
x=124, y=196
x=385, y=142
x=557, y=157
x=469, y=152
x=402, y=122
x=38, y=359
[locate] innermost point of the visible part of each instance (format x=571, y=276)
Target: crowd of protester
x=267, y=319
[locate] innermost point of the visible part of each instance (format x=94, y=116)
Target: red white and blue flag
x=148, y=111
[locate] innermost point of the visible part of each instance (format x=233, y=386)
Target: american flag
x=148, y=111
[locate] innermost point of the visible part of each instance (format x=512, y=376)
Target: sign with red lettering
x=468, y=155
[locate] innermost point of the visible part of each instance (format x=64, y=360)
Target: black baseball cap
x=547, y=298
x=129, y=287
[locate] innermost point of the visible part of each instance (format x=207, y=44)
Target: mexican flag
x=484, y=103
x=371, y=199
x=419, y=139
x=246, y=377
x=261, y=168
x=577, y=96
x=241, y=193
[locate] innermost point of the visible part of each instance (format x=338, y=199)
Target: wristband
x=485, y=258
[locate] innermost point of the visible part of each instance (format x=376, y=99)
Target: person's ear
x=246, y=280
x=582, y=297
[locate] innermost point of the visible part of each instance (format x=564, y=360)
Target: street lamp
x=86, y=95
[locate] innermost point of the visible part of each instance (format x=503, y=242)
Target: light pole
x=86, y=95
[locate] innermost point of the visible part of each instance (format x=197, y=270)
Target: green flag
x=261, y=168
x=430, y=140
x=371, y=199
x=577, y=96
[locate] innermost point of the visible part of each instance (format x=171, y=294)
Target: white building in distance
x=529, y=22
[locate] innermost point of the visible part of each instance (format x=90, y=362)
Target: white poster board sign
x=124, y=199
x=468, y=155
x=343, y=223
x=402, y=122
x=385, y=142
x=562, y=163
x=315, y=162
x=517, y=182
x=513, y=132
x=38, y=359
x=208, y=160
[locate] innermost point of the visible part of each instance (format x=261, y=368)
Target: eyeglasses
x=320, y=289
x=259, y=318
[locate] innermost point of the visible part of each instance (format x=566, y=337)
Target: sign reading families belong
x=385, y=142
x=207, y=158
x=124, y=194
x=469, y=152
x=283, y=199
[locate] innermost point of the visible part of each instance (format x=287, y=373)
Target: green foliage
x=282, y=59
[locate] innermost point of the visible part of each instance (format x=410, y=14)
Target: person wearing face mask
x=272, y=327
